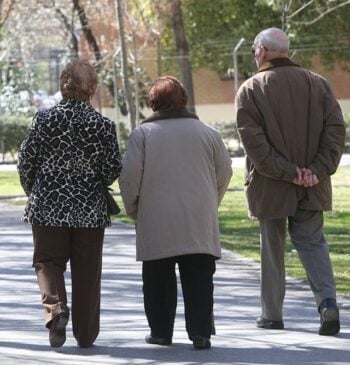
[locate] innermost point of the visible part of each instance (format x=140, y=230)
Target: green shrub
x=123, y=132
x=347, y=138
x=230, y=137
x=13, y=129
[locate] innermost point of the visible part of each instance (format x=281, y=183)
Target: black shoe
x=57, y=333
x=200, y=342
x=158, y=340
x=85, y=345
x=329, y=317
x=262, y=322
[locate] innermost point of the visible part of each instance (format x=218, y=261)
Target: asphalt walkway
x=24, y=339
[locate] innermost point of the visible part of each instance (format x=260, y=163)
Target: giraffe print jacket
x=69, y=156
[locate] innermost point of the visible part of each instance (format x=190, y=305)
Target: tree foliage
x=214, y=28
x=322, y=28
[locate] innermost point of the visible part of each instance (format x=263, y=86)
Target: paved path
x=24, y=340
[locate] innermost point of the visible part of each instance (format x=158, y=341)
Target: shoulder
x=317, y=77
x=210, y=129
x=250, y=86
x=205, y=130
x=45, y=113
x=199, y=125
x=43, y=117
x=139, y=132
x=92, y=115
x=320, y=84
x=108, y=122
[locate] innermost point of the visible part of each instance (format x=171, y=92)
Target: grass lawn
x=241, y=234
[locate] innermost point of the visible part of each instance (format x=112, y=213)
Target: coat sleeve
x=28, y=156
x=223, y=168
x=262, y=154
x=132, y=172
x=111, y=165
x=332, y=139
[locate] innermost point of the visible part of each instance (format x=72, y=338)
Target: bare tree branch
x=327, y=11
x=124, y=62
x=4, y=17
x=149, y=28
x=69, y=27
x=300, y=9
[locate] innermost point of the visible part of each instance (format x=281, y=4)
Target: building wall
x=337, y=77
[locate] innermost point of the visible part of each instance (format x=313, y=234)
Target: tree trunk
x=73, y=44
x=87, y=29
x=182, y=51
x=126, y=83
x=284, y=12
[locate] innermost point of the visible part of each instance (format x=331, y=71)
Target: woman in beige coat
x=175, y=173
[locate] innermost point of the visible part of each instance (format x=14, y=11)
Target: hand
x=309, y=178
x=298, y=180
x=305, y=177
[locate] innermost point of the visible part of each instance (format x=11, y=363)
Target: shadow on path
x=24, y=340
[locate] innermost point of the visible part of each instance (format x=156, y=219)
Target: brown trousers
x=53, y=248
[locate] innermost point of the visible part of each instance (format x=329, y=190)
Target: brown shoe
x=57, y=334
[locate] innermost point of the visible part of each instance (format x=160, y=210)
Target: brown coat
x=288, y=117
x=174, y=175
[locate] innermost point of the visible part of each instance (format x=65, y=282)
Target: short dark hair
x=167, y=93
x=78, y=81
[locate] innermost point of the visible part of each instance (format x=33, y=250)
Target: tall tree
x=182, y=49
x=214, y=28
x=73, y=42
x=86, y=28
x=126, y=82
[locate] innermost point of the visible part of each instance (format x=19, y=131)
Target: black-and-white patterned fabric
x=69, y=155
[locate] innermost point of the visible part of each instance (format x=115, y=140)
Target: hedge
x=13, y=129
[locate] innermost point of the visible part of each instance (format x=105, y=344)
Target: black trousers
x=53, y=248
x=160, y=294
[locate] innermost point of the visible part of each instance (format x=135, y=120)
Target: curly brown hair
x=78, y=81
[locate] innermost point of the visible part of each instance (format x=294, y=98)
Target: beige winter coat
x=288, y=117
x=174, y=175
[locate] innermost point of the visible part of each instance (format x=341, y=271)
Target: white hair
x=274, y=39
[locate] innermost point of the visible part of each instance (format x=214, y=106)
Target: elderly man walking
x=293, y=132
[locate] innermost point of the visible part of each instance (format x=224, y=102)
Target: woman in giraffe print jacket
x=67, y=159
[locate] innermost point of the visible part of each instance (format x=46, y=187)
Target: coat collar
x=276, y=62
x=170, y=114
x=73, y=103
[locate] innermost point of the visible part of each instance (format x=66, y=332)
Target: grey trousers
x=305, y=230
